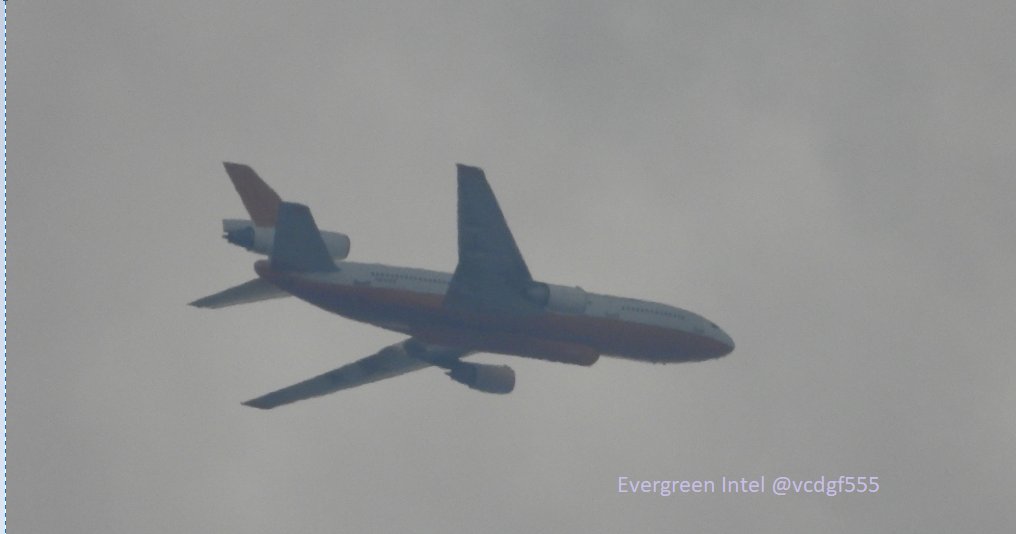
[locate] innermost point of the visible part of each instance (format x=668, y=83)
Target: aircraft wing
x=394, y=360
x=491, y=273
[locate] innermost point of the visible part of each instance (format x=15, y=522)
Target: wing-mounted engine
x=482, y=377
x=559, y=299
x=260, y=239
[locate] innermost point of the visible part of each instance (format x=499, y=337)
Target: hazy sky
x=832, y=183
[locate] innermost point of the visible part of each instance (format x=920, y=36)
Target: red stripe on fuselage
x=559, y=337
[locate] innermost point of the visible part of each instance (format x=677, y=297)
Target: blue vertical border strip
x=5, y=265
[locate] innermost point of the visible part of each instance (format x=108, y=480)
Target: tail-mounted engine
x=259, y=239
x=482, y=377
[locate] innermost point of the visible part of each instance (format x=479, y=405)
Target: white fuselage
x=574, y=323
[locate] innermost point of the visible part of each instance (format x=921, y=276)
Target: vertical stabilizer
x=261, y=201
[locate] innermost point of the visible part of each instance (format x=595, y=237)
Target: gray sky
x=832, y=184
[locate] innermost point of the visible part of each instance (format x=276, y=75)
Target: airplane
x=490, y=304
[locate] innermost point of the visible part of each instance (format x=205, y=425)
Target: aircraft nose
x=728, y=341
x=725, y=342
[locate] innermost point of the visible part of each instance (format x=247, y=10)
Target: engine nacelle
x=482, y=377
x=560, y=299
x=259, y=239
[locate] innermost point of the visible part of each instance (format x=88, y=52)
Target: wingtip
x=234, y=169
x=197, y=303
x=254, y=404
x=469, y=171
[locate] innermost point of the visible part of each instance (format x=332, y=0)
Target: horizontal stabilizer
x=247, y=292
x=298, y=245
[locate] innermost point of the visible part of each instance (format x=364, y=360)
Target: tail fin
x=261, y=201
x=298, y=244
